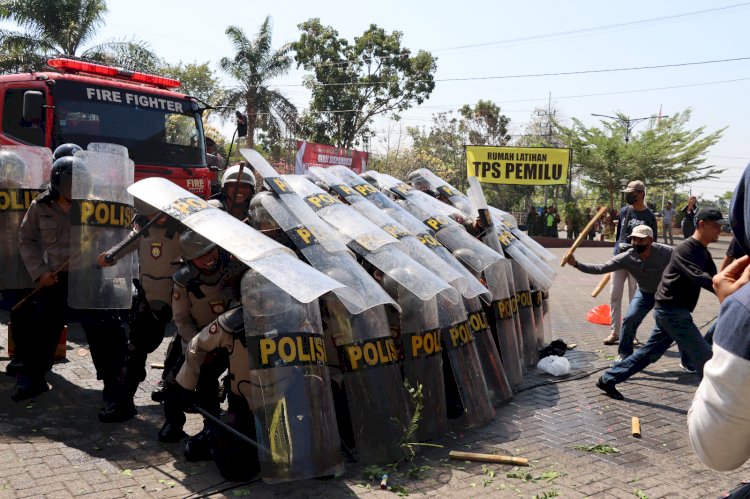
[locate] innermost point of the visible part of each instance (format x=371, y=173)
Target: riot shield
x=423, y=362
x=322, y=249
x=547, y=317
x=290, y=384
x=468, y=286
x=466, y=388
x=101, y=214
x=504, y=221
x=369, y=241
x=498, y=387
x=369, y=374
x=414, y=248
x=502, y=324
x=525, y=314
x=376, y=408
x=274, y=261
x=24, y=173
x=536, y=307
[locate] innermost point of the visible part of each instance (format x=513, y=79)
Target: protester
x=532, y=220
x=636, y=213
x=667, y=219
x=719, y=417
x=690, y=268
x=734, y=252
x=646, y=262
x=688, y=220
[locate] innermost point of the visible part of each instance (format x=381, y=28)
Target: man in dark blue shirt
x=690, y=269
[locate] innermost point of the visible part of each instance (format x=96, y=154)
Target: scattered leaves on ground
x=639, y=494
x=547, y=494
x=598, y=449
x=127, y=472
x=526, y=476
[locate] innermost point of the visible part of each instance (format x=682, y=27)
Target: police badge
x=156, y=250
x=217, y=307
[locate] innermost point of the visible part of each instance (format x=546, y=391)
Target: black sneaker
x=171, y=433
x=119, y=414
x=27, y=389
x=609, y=389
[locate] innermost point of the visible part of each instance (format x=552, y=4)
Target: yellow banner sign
x=518, y=165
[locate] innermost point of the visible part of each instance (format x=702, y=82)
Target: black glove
x=185, y=398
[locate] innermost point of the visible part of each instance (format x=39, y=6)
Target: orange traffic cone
x=600, y=315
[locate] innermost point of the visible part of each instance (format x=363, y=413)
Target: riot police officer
x=158, y=254
x=235, y=459
x=237, y=189
x=44, y=239
x=203, y=289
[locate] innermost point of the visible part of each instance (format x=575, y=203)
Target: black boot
x=171, y=431
x=117, y=408
x=198, y=447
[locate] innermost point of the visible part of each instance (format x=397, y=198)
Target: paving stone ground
x=56, y=447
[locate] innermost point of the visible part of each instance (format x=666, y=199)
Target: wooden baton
x=600, y=286
x=635, y=423
x=582, y=236
x=488, y=458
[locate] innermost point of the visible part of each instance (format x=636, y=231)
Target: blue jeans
x=641, y=304
x=672, y=324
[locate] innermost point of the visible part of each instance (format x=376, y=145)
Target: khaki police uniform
x=158, y=257
x=44, y=241
x=235, y=459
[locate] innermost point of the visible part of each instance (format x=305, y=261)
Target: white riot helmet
x=232, y=174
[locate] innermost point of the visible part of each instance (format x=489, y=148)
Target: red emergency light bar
x=123, y=74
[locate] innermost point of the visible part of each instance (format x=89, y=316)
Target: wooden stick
x=582, y=235
x=635, y=423
x=488, y=458
x=600, y=286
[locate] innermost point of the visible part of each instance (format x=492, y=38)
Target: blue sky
x=513, y=38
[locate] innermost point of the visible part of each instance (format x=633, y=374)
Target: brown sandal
x=612, y=339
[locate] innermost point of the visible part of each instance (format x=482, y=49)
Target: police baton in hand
x=111, y=255
x=231, y=430
x=41, y=287
x=582, y=235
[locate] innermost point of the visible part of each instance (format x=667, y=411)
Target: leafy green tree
x=352, y=83
x=197, y=80
x=253, y=66
x=484, y=124
x=63, y=28
x=665, y=154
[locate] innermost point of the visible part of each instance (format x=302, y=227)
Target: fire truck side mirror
x=33, y=100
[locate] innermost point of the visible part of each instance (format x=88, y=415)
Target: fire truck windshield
x=157, y=130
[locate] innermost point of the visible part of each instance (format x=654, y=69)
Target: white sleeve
x=719, y=417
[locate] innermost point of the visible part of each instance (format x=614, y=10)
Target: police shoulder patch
x=213, y=328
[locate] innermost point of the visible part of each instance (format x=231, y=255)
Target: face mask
x=631, y=197
x=640, y=249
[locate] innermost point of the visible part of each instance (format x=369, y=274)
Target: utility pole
x=548, y=114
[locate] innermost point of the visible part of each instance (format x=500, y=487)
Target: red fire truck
x=81, y=102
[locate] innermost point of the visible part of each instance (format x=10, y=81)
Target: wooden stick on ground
x=600, y=286
x=488, y=458
x=582, y=235
x=636, y=426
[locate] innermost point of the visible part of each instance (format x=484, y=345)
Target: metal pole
x=231, y=430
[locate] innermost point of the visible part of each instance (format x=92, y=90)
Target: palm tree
x=253, y=66
x=53, y=28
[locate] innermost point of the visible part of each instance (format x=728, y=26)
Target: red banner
x=311, y=154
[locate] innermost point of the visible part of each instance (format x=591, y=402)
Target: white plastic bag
x=554, y=365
